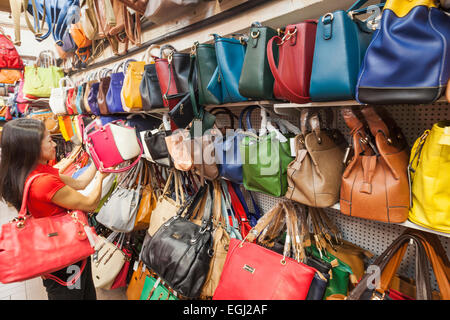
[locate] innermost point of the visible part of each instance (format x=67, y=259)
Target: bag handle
x=423, y=285
x=287, y=92
x=148, y=54
x=225, y=111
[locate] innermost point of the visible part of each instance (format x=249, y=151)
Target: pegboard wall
x=370, y=235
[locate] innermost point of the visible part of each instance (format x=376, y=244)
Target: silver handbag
x=118, y=213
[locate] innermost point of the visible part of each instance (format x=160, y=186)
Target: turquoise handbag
x=341, y=42
x=224, y=83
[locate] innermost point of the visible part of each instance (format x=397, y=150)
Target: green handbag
x=154, y=290
x=340, y=272
x=206, y=64
x=264, y=161
x=256, y=79
x=203, y=120
x=41, y=78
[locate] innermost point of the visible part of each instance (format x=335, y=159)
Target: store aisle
x=33, y=289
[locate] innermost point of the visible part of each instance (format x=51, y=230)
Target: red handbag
x=31, y=247
x=252, y=272
x=121, y=278
x=9, y=57
x=239, y=210
x=296, y=51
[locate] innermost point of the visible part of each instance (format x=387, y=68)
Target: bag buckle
x=288, y=35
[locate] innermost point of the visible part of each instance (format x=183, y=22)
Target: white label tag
x=292, y=143
x=135, y=265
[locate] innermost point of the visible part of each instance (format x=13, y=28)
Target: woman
x=26, y=147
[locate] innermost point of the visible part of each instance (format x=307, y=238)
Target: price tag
x=292, y=143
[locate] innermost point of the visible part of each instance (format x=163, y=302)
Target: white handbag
x=119, y=211
x=58, y=96
x=107, y=260
x=166, y=207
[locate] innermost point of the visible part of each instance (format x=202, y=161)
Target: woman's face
x=48, y=148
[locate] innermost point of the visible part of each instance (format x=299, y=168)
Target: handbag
x=119, y=211
x=9, y=57
x=159, y=11
x=224, y=83
x=428, y=170
x=155, y=142
x=221, y=241
x=256, y=79
x=203, y=155
x=149, y=87
x=419, y=76
x=119, y=17
x=130, y=96
x=79, y=102
x=112, y=144
x=292, y=73
x=113, y=99
x=265, y=159
x=121, y=279
x=43, y=76
x=147, y=203
x=137, y=282
x=107, y=261
x=206, y=64
x=93, y=94
x=319, y=160
x=87, y=91
x=105, y=81
x=375, y=183
x=179, y=146
x=166, y=208
x=154, y=290
x=88, y=20
x=63, y=240
x=137, y=5
x=228, y=154
x=252, y=217
x=183, y=263
x=252, y=271
x=389, y=261
x=341, y=42
x=49, y=118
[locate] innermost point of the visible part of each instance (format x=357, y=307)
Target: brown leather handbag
x=104, y=26
x=204, y=157
x=314, y=177
x=375, y=183
x=105, y=81
x=120, y=18
x=147, y=203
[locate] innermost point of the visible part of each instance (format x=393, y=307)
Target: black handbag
x=180, y=251
x=182, y=114
x=157, y=147
x=150, y=90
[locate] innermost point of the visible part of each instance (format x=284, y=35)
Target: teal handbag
x=224, y=83
x=154, y=290
x=264, y=162
x=341, y=42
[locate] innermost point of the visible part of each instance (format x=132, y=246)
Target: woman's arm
x=67, y=197
x=82, y=181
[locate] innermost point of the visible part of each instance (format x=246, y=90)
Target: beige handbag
x=107, y=261
x=221, y=242
x=314, y=177
x=166, y=207
x=159, y=11
x=179, y=145
x=88, y=20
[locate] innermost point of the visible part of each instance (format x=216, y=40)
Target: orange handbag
x=10, y=76
x=448, y=91
x=137, y=282
x=81, y=40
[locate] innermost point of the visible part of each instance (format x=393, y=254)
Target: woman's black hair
x=20, y=151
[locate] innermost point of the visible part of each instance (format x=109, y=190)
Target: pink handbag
x=112, y=144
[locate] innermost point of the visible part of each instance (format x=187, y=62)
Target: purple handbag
x=68, y=45
x=92, y=98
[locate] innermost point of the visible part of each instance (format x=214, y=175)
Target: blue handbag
x=227, y=152
x=341, y=42
x=408, y=60
x=64, y=14
x=113, y=100
x=42, y=10
x=224, y=83
x=79, y=100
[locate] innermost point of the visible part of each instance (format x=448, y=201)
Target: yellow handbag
x=429, y=170
x=130, y=94
x=62, y=128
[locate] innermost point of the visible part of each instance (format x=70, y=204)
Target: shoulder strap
x=23, y=208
